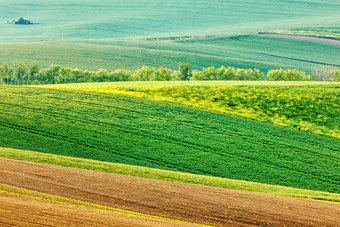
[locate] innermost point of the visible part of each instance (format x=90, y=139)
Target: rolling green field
x=272, y=137
x=309, y=107
x=264, y=53
x=142, y=132
x=79, y=19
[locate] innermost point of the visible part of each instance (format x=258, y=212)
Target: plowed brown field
x=185, y=202
x=21, y=211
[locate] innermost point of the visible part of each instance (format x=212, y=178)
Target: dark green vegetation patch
x=159, y=135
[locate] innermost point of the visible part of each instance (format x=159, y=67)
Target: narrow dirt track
x=20, y=211
x=186, y=202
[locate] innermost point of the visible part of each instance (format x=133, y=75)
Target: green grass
x=264, y=53
x=84, y=19
x=309, y=107
x=134, y=131
x=165, y=175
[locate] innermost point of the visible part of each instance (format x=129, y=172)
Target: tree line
x=22, y=73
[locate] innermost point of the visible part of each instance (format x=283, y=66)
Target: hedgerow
x=21, y=73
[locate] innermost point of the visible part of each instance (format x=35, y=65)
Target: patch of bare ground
x=21, y=211
x=192, y=203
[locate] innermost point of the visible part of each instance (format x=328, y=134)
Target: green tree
x=123, y=75
x=224, y=73
x=208, y=73
x=176, y=76
x=78, y=75
x=21, y=73
x=335, y=75
x=287, y=75
x=51, y=73
x=101, y=75
x=184, y=71
x=144, y=73
x=6, y=74
x=161, y=74
x=33, y=70
x=65, y=76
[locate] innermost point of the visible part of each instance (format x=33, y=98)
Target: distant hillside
x=244, y=51
x=84, y=19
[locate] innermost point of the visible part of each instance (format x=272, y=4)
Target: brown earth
x=192, y=203
x=21, y=211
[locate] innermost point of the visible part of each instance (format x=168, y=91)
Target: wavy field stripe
x=22, y=192
x=166, y=175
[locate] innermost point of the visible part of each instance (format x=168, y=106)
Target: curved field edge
x=22, y=192
x=166, y=175
x=316, y=98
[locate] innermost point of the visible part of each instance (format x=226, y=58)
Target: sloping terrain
x=159, y=135
x=242, y=51
x=306, y=38
x=178, y=201
x=21, y=211
x=84, y=19
x=309, y=107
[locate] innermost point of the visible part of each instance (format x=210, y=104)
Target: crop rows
x=312, y=108
x=159, y=135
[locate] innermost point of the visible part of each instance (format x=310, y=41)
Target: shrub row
x=20, y=73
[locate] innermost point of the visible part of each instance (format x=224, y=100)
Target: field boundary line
x=166, y=175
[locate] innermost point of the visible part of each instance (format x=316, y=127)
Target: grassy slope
x=84, y=19
x=263, y=53
x=309, y=107
x=159, y=135
x=165, y=175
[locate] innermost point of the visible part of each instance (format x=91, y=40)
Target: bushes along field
x=21, y=73
x=159, y=135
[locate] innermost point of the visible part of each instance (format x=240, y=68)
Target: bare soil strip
x=192, y=203
x=21, y=211
x=306, y=38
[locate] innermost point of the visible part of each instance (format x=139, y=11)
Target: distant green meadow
x=245, y=51
x=128, y=130
x=128, y=34
x=102, y=19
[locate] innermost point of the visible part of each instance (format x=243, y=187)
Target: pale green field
x=84, y=19
x=118, y=28
x=264, y=53
x=166, y=175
